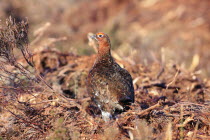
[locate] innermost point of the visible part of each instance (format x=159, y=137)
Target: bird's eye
x=100, y=35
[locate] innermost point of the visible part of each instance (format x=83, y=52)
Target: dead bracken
x=171, y=101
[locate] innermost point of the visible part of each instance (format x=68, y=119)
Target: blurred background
x=141, y=31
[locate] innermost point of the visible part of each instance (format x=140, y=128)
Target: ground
x=43, y=79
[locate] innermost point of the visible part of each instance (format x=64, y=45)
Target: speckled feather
x=109, y=85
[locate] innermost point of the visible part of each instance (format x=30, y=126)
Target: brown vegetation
x=46, y=98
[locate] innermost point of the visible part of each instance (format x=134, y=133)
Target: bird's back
x=110, y=86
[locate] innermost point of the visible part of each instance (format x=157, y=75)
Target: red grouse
x=109, y=85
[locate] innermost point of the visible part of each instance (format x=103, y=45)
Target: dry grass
x=172, y=100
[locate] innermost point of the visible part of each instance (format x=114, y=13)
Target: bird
x=109, y=86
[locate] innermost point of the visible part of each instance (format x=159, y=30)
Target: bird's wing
x=121, y=82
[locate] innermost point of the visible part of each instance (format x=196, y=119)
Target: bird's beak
x=93, y=37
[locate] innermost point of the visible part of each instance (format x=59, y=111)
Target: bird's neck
x=104, y=54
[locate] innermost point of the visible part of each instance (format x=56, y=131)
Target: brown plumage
x=109, y=85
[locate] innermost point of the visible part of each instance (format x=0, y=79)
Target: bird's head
x=102, y=39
